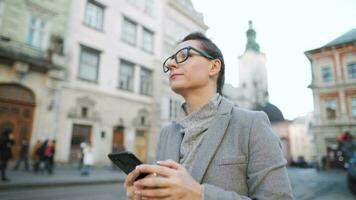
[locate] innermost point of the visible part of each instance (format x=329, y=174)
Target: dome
x=273, y=112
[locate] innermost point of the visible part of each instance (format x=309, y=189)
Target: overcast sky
x=285, y=30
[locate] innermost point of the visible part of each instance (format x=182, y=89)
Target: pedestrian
x=34, y=157
x=40, y=162
x=215, y=150
x=48, y=154
x=81, y=155
x=88, y=160
x=23, y=156
x=6, y=141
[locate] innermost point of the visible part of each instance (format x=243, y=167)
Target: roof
x=345, y=38
x=273, y=112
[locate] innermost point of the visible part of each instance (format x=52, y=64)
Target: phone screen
x=126, y=161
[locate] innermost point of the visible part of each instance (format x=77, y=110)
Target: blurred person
x=23, y=156
x=33, y=156
x=215, y=150
x=81, y=155
x=40, y=162
x=48, y=155
x=88, y=160
x=6, y=141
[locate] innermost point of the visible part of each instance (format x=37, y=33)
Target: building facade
x=32, y=65
x=333, y=68
x=90, y=71
x=302, y=139
x=107, y=98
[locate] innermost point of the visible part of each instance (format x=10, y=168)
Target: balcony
x=37, y=59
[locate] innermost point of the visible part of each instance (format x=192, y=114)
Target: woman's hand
x=173, y=182
x=129, y=185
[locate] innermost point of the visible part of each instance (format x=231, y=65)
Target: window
x=129, y=31
x=146, y=81
x=36, y=33
x=147, y=40
x=326, y=74
x=330, y=107
x=89, y=64
x=126, y=75
x=149, y=7
x=94, y=15
x=351, y=70
x=353, y=106
x=84, y=112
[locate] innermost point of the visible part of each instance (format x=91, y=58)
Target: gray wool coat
x=240, y=156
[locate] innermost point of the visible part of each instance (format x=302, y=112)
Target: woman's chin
x=177, y=88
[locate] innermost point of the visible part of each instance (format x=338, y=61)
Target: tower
x=253, y=72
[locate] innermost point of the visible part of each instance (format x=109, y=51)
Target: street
x=88, y=192
x=307, y=185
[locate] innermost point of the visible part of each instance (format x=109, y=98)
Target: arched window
x=15, y=92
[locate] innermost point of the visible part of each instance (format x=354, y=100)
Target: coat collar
x=211, y=141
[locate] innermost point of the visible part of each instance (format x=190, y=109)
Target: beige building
x=333, y=68
x=107, y=98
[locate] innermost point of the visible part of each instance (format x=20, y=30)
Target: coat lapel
x=212, y=139
x=173, y=143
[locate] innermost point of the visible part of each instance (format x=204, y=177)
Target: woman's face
x=191, y=74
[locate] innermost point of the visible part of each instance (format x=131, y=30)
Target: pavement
x=307, y=184
x=62, y=176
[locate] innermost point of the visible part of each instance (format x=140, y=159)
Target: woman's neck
x=195, y=100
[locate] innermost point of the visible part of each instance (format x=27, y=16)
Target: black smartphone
x=126, y=161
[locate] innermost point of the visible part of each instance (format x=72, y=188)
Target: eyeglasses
x=182, y=55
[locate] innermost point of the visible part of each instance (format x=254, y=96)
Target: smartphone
x=126, y=161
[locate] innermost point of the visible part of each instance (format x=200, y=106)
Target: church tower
x=253, y=72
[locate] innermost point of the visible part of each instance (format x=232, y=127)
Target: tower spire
x=251, y=39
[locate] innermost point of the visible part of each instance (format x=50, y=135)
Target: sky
x=285, y=30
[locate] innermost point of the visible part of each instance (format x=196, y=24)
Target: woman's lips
x=173, y=76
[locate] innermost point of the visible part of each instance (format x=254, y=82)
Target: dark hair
x=210, y=48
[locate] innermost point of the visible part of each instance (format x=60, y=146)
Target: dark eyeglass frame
x=174, y=56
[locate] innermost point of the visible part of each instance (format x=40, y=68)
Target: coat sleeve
x=267, y=177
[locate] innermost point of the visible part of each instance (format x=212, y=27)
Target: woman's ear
x=215, y=67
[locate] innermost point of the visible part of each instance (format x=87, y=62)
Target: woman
x=216, y=150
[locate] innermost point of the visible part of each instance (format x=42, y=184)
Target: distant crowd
x=39, y=160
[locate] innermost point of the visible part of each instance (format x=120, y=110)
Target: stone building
x=90, y=71
x=32, y=65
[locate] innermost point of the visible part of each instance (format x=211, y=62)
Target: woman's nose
x=171, y=64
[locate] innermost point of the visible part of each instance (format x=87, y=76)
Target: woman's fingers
x=130, y=179
x=169, y=163
x=152, y=182
x=153, y=193
x=155, y=169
